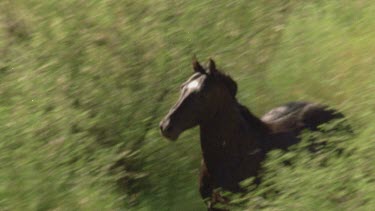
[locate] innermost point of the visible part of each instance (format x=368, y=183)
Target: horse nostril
x=165, y=126
x=168, y=128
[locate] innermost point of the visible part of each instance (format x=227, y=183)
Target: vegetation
x=83, y=85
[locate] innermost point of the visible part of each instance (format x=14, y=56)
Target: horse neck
x=229, y=132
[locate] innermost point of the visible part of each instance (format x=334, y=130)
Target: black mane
x=256, y=124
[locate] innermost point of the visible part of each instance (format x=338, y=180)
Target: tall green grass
x=83, y=85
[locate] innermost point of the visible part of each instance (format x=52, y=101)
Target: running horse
x=234, y=142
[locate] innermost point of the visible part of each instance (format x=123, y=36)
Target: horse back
x=287, y=121
x=296, y=116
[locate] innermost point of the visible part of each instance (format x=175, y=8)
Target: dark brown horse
x=234, y=141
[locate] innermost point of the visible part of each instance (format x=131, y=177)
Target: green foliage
x=315, y=174
x=83, y=85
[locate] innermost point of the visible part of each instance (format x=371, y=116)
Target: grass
x=83, y=86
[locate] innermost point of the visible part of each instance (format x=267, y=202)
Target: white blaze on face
x=194, y=85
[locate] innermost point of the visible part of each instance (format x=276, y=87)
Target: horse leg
x=205, y=184
x=206, y=189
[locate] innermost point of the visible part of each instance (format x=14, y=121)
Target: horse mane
x=229, y=82
x=256, y=124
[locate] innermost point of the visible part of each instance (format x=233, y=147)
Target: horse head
x=200, y=97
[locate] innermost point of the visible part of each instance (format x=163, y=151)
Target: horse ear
x=211, y=66
x=196, y=66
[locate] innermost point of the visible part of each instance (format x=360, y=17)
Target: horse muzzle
x=168, y=130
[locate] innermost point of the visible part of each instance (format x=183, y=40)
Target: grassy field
x=83, y=85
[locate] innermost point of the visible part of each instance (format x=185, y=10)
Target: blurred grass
x=84, y=84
